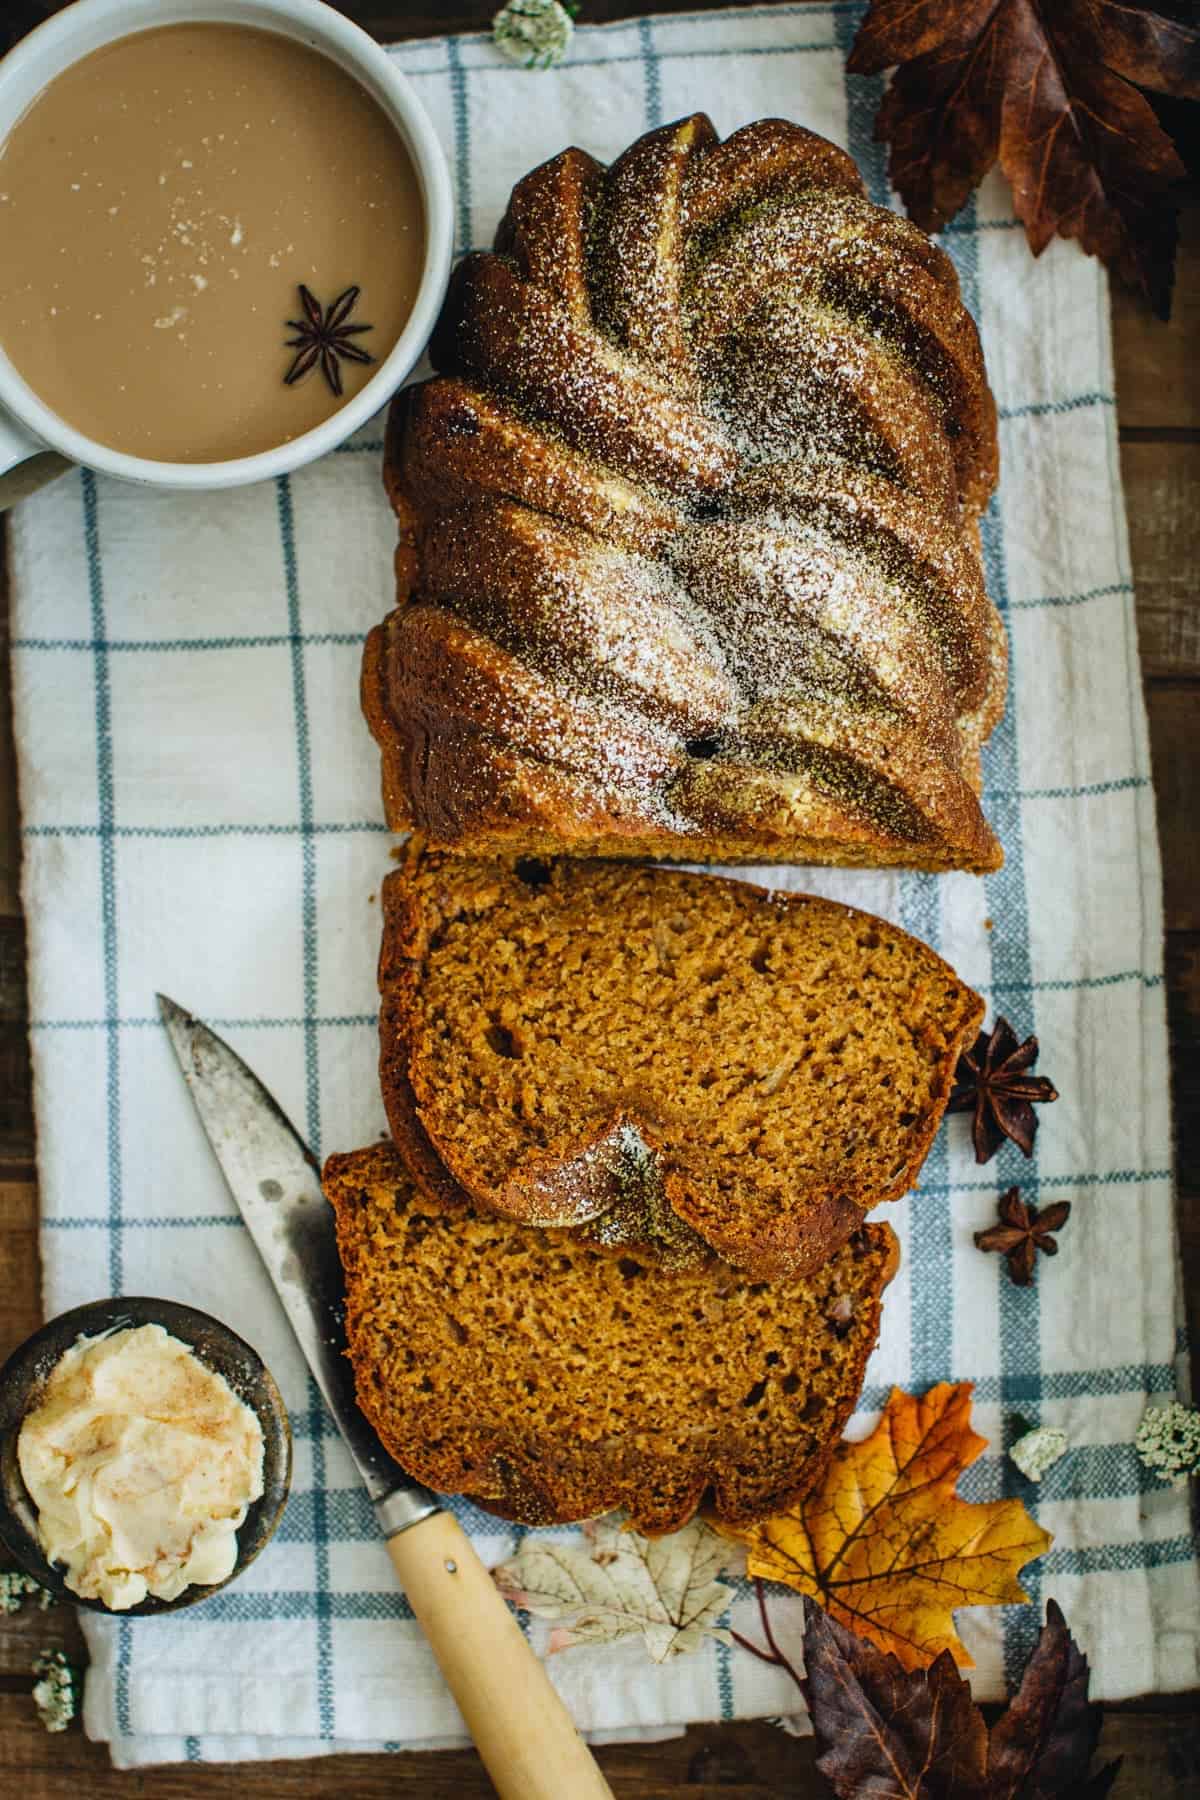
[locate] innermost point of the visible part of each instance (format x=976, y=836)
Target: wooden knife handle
x=521, y=1728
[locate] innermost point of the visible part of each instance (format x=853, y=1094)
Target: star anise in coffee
x=992, y=1081
x=325, y=337
x=1022, y=1232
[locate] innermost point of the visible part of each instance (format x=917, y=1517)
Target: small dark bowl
x=24, y=1376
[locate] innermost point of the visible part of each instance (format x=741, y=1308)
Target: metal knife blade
x=275, y=1181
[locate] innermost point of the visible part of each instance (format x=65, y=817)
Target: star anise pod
x=1022, y=1232
x=323, y=336
x=991, y=1082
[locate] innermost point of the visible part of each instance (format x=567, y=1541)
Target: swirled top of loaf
x=689, y=560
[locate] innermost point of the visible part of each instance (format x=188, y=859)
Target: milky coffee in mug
x=164, y=201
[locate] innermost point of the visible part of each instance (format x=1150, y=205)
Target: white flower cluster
x=1168, y=1441
x=54, y=1693
x=534, y=33
x=1039, y=1450
x=16, y=1588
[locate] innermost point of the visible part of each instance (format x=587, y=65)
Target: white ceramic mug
x=28, y=428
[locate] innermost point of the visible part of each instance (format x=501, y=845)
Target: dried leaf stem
x=773, y=1655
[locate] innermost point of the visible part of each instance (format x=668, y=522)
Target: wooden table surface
x=1158, y=395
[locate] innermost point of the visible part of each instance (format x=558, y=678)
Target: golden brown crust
x=710, y=436
x=761, y=159
x=552, y=1380
x=627, y=1155
x=494, y=759
x=393, y=747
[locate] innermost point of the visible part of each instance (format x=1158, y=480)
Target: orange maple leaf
x=886, y=1546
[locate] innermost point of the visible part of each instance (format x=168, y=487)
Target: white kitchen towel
x=202, y=816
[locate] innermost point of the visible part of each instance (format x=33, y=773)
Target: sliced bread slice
x=649, y=1053
x=552, y=1379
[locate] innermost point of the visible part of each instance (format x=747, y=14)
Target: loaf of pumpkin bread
x=689, y=560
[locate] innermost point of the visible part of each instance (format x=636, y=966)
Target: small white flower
x=534, y=33
x=16, y=1588
x=1039, y=1450
x=1168, y=1441
x=54, y=1694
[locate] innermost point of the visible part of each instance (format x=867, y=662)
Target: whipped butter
x=141, y=1462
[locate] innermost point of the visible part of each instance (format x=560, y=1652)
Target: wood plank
x=1174, y=713
x=1188, y=1221
x=20, y=1282
x=1160, y=1754
x=16, y=1074
x=10, y=820
x=733, y=1762
x=1157, y=370
x=1183, y=1017
x=1162, y=504
x=390, y=20
x=23, y=1635
x=1160, y=1749
x=1183, y=1013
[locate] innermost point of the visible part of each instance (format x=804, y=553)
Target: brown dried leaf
x=885, y=1731
x=1052, y=92
x=1045, y=1741
x=901, y=1734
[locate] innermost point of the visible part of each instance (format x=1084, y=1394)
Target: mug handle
x=25, y=463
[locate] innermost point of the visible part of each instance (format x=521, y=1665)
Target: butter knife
x=522, y=1730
